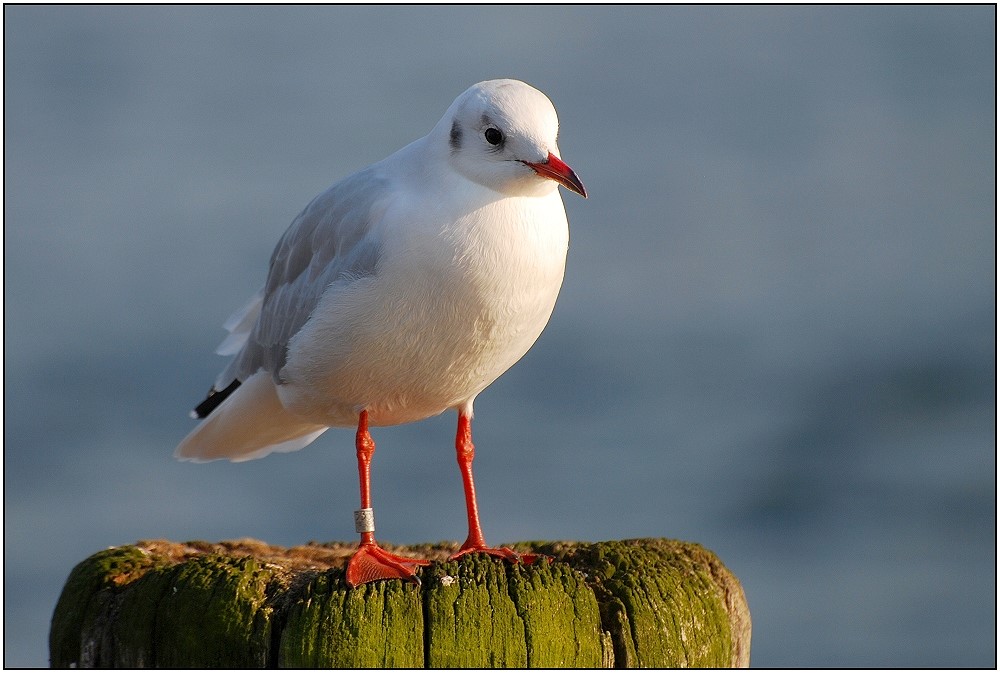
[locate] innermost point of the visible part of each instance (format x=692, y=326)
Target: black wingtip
x=214, y=399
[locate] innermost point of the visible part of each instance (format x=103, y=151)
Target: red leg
x=475, y=542
x=370, y=562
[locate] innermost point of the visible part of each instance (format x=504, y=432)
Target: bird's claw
x=370, y=562
x=505, y=553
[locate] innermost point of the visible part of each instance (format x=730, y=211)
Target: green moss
x=210, y=612
x=562, y=624
x=87, y=596
x=633, y=603
x=471, y=620
x=377, y=625
x=133, y=628
x=674, y=613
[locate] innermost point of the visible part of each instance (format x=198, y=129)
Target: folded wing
x=329, y=242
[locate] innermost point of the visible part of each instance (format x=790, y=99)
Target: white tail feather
x=249, y=424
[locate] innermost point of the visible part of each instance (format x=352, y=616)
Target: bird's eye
x=493, y=136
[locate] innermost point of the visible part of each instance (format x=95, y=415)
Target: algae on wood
x=79, y=621
x=207, y=612
x=211, y=612
x=472, y=621
x=635, y=603
x=562, y=622
x=673, y=610
x=377, y=625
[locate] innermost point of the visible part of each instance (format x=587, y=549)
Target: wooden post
x=245, y=604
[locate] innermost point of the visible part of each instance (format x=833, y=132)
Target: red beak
x=553, y=168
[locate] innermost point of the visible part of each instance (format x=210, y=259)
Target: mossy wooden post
x=245, y=604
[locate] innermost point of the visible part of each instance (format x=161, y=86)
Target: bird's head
x=502, y=134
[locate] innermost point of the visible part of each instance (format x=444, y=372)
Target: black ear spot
x=455, y=139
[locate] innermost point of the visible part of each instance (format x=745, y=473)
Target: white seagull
x=400, y=292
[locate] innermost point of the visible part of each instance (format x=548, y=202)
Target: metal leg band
x=364, y=520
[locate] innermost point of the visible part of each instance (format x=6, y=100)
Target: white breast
x=450, y=309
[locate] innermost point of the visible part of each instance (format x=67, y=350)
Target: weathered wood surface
x=246, y=604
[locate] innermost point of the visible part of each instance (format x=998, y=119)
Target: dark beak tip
x=575, y=184
x=555, y=169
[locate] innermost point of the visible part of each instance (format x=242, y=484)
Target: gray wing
x=331, y=240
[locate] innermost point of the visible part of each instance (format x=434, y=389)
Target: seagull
x=399, y=293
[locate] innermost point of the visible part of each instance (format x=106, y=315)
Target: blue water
x=776, y=336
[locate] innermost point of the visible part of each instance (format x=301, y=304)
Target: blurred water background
x=776, y=336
